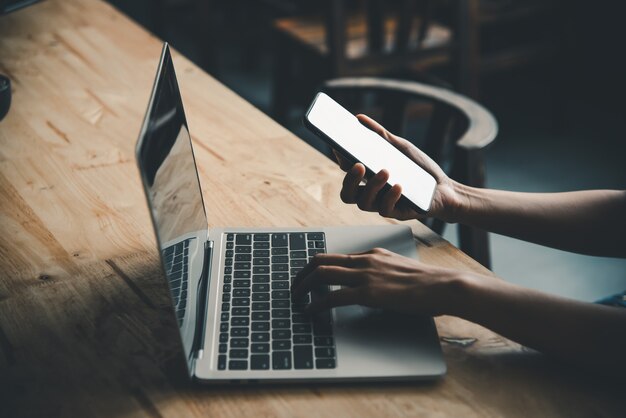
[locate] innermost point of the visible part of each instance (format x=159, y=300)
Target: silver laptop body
x=230, y=286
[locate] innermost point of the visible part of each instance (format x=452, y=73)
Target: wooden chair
x=503, y=34
x=453, y=131
x=374, y=37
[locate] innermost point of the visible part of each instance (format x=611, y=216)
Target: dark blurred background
x=551, y=73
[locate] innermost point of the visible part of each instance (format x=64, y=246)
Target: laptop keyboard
x=260, y=327
x=176, y=259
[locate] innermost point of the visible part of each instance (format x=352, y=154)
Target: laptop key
x=261, y=245
x=260, y=306
x=261, y=348
x=302, y=339
x=243, y=257
x=242, y=265
x=243, y=249
x=241, y=311
x=298, y=262
x=325, y=363
x=280, y=285
x=280, y=276
x=280, y=251
x=241, y=301
x=260, y=326
x=280, y=294
x=239, y=343
x=260, y=316
x=238, y=353
x=225, y=306
x=280, y=267
x=280, y=313
x=301, y=328
x=241, y=292
x=281, y=360
x=281, y=323
x=281, y=345
x=299, y=318
x=280, y=304
x=221, y=362
x=243, y=239
x=223, y=348
x=260, y=337
x=261, y=253
x=261, y=261
x=241, y=283
x=230, y=237
x=297, y=241
x=326, y=352
x=281, y=334
x=223, y=337
x=224, y=316
x=261, y=287
x=260, y=362
x=297, y=254
x=261, y=237
x=261, y=278
x=238, y=365
x=279, y=240
x=302, y=357
x=239, y=332
x=280, y=259
x=240, y=321
x=242, y=274
x=261, y=297
x=261, y=270
x=323, y=341
x=315, y=236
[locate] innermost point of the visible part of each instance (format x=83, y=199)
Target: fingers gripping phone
x=342, y=130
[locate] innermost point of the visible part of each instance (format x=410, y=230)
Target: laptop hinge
x=201, y=303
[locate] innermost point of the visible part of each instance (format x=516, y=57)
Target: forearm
x=590, y=222
x=582, y=333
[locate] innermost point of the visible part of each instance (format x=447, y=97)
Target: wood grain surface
x=85, y=328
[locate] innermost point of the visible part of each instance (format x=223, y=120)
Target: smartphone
x=342, y=131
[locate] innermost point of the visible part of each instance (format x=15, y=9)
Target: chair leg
x=469, y=169
x=468, y=53
x=282, y=80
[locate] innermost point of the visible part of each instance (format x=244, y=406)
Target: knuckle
x=321, y=269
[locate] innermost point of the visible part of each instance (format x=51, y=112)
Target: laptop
x=230, y=287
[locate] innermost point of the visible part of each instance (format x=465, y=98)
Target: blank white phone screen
x=372, y=150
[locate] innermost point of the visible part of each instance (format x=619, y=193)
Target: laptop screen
x=170, y=179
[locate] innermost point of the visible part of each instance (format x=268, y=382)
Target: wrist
x=468, y=293
x=464, y=202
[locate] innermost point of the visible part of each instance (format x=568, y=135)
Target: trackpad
x=384, y=343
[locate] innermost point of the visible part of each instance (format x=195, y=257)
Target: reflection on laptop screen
x=170, y=178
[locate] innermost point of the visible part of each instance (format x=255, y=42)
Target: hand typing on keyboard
x=381, y=279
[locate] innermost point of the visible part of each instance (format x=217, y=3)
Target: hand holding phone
x=343, y=131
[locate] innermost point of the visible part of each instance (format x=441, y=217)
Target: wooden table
x=83, y=323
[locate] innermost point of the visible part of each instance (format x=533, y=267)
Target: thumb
x=380, y=130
